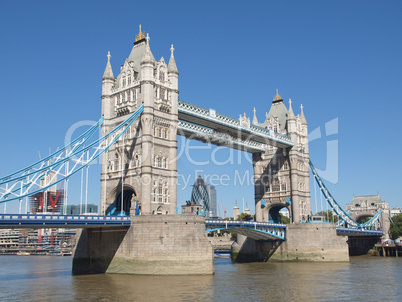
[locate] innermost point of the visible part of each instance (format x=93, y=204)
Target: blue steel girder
x=47, y=221
x=220, y=125
x=343, y=215
x=340, y=231
x=254, y=230
x=64, y=163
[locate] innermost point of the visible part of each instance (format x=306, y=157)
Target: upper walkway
x=208, y=125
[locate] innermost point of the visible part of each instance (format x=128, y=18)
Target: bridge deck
x=252, y=229
x=13, y=221
x=357, y=232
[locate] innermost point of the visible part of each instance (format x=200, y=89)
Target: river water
x=49, y=278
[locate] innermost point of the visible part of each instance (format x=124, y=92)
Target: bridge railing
x=60, y=221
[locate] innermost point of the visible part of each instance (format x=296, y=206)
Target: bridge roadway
x=252, y=229
x=45, y=221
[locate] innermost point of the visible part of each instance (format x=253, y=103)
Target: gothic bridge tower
x=141, y=167
x=281, y=176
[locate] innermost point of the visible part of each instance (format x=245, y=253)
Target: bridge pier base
x=153, y=245
x=304, y=242
x=362, y=245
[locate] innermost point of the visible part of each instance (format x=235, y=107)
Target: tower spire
x=172, y=68
x=140, y=36
x=255, y=121
x=277, y=97
x=148, y=56
x=108, y=74
x=302, y=117
x=291, y=113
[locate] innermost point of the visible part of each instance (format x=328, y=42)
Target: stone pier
x=304, y=242
x=153, y=245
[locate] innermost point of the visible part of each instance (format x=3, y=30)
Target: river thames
x=49, y=278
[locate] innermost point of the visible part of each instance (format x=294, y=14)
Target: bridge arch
x=118, y=200
x=270, y=211
x=363, y=216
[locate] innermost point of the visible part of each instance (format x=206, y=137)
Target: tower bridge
x=141, y=118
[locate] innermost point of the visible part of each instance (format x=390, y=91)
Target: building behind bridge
x=205, y=195
x=76, y=209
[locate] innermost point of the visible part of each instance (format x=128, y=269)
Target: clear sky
x=340, y=59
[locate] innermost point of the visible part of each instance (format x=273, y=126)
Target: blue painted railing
x=61, y=221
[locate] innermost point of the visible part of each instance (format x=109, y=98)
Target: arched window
x=285, y=165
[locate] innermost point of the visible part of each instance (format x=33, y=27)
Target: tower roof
x=138, y=50
x=278, y=110
x=108, y=74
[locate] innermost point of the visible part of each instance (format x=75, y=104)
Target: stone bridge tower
x=367, y=206
x=141, y=167
x=281, y=176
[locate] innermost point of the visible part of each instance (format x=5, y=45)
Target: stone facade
x=281, y=176
x=142, y=164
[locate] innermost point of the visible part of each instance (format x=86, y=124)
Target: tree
x=395, y=231
x=284, y=219
x=245, y=217
x=329, y=216
x=365, y=219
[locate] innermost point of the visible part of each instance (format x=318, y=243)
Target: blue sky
x=340, y=59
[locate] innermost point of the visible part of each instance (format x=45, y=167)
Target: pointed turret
x=108, y=74
x=107, y=87
x=291, y=113
x=172, y=68
x=236, y=211
x=148, y=57
x=173, y=75
x=255, y=121
x=302, y=117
